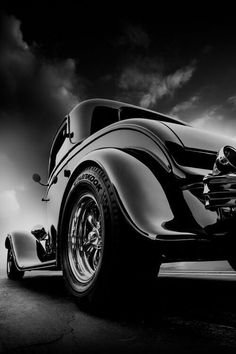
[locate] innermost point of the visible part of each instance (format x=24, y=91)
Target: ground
x=194, y=311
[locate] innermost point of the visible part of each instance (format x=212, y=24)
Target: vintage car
x=124, y=194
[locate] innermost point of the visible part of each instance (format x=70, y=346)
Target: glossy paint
x=200, y=139
x=161, y=198
x=220, y=185
x=27, y=251
x=117, y=137
x=220, y=191
x=134, y=184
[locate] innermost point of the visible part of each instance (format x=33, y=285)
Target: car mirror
x=37, y=178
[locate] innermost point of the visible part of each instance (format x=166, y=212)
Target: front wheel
x=12, y=272
x=100, y=257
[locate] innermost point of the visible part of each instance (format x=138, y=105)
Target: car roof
x=92, y=115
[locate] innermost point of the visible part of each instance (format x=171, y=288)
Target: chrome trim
x=220, y=191
x=225, y=161
x=85, y=240
x=220, y=185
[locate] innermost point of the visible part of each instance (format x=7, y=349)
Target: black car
x=124, y=194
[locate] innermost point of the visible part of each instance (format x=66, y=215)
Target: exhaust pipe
x=225, y=161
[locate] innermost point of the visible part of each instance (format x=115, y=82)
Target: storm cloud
x=181, y=107
x=149, y=84
x=134, y=36
x=36, y=93
x=30, y=81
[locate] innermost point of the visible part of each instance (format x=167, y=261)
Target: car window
x=86, y=120
x=102, y=117
x=130, y=112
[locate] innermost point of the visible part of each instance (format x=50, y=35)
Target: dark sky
x=179, y=60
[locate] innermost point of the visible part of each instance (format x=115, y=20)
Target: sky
x=179, y=60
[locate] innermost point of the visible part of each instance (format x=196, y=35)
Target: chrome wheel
x=85, y=239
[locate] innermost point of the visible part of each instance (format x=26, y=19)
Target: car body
x=115, y=166
x=220, y=194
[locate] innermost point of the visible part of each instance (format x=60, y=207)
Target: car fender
x=26, y=251
x=139, y=193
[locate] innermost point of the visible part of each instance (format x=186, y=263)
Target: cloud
x=36, y=93
x=150, y=86
x=232, y=101
x=214, y=119
x=180, y=77
x=7, y=173
x=11, y=34
x=134, y=36
x=29, y=80
x=184, y=106
x=9, y=205
x=207, y=121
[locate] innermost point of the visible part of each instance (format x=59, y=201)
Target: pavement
x=194, y=311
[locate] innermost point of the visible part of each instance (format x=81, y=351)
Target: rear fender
x=139, y=193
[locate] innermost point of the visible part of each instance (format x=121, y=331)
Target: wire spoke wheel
x=85, y=242
x=103, y=260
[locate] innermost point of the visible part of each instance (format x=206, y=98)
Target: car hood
x=195, y=138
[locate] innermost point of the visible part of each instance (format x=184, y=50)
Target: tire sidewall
x=12, y=271
x=91, y=180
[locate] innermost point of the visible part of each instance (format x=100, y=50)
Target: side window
x=102, y=117
x=130, y=112
x=87, y=119
x=59, y=148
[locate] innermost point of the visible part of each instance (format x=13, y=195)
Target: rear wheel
x=100, y=258
x=12, y=272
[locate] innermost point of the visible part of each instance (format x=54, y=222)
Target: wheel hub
x=85, y=242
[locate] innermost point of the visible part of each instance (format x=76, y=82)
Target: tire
x=97, y=264
x=12, y=272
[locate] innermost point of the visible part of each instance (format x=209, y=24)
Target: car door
x=58, y=179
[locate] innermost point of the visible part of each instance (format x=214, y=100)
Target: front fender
x=26, y=251
x=139, y=193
